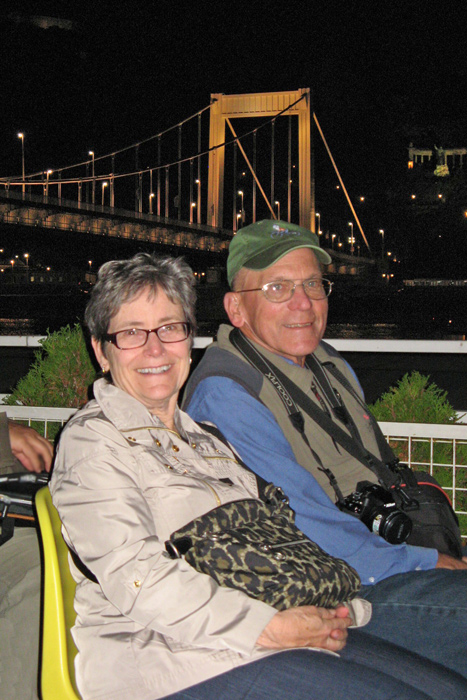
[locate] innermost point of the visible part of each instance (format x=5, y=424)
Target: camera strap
x=293, y=398
x=270, y=372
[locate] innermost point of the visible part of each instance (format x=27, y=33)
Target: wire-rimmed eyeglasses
x=282, y=290
x=132, y=338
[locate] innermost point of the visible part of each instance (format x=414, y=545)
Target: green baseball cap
x=263, y=243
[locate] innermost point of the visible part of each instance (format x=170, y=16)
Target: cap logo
x=279, y=232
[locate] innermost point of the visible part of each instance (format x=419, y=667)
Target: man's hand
x=307, y=626
x=33, y=451
x=447, y=562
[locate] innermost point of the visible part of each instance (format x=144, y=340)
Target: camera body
x=376, y=508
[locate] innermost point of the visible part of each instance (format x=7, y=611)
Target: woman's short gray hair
x=120, y=281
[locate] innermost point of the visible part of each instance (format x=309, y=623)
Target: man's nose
x=299, y=299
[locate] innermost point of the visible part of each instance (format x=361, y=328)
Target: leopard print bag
x=254, y=546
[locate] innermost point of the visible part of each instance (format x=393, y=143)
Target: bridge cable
x=237, y=140
x=15, y=179
x=341, y=181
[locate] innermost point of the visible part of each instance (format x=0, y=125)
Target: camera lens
x=393, y=526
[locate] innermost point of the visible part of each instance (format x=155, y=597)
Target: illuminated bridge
x=192, y=186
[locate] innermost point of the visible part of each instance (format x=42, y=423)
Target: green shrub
x=414, y=400
x=61, y=374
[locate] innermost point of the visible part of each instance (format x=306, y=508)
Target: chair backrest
x=58, y=614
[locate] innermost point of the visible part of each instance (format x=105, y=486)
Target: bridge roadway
x=80, y=217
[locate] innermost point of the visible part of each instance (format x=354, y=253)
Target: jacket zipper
x=213, y=491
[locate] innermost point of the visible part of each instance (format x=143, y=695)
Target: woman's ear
x=99, y=353
x=233, y=310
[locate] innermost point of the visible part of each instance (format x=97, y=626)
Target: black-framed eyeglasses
x=282, y=290
x=132, y=338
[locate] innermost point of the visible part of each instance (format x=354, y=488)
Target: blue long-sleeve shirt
x=253, y=431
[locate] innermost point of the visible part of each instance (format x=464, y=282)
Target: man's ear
x=232, y=308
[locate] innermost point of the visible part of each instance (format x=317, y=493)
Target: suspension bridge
x=192, y=186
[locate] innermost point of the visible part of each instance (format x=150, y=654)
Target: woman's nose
x=154, y=345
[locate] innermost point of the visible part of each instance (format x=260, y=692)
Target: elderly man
x=278, y=306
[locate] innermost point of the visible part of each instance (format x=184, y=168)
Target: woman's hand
x=307, y=626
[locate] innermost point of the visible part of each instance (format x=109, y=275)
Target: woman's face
x=154, y=373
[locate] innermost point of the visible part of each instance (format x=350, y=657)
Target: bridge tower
x=264, y=104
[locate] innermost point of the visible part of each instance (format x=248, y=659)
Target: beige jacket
x=122, y=483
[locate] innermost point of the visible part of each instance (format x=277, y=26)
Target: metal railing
x=340, y=344
x=45, y=420
x=440, y=450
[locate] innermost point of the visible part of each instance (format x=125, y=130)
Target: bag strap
x=213, y=430
x=385, y=450
x=334, y=399
x=260, y=482
x=81, y=566
x=292, y=397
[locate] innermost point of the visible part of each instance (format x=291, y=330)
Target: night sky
x=382, y=74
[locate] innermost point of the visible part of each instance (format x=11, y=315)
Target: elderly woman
x=131, y=469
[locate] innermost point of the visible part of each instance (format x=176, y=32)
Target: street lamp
x=151, y=197
x=90, y=265
x=26, y=255
x=46, y=188
x=104, y=185
x=242, y=211
x=351, y=238
x=382, y=243
x=198, y=202
x=278, y=205
x=192, y=207
x=318, y=216
x=91, y=153
x=333, y=236
x=23, y=187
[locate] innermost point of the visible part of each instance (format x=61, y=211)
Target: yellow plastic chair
x=58, y=614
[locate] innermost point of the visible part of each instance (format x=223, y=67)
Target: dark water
x=376, y=371
x=355, y=312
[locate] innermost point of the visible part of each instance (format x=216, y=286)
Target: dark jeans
x=424, y=611
x=368, y=669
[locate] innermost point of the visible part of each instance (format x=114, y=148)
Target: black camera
x=375, y=506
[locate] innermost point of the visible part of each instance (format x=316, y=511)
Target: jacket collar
x=124, y=411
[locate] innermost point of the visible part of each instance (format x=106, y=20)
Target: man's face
x=292, y=328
